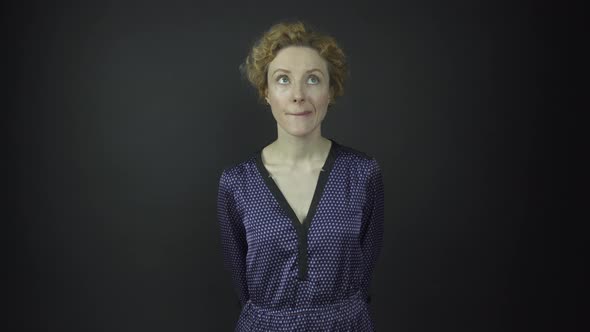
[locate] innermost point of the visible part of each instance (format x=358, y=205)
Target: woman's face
x=298, y=82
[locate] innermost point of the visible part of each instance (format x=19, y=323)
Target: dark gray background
x=125, y=113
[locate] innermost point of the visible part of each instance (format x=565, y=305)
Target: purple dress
x=310, y=276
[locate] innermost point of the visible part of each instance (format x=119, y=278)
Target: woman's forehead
x=300, y=59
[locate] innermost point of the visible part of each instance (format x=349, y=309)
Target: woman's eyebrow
x=288, y=71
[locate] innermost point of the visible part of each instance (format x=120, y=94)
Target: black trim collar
x=301, y=227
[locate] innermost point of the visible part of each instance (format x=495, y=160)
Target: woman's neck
x=298, y=150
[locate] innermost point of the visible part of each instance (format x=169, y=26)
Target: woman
x=301, y=220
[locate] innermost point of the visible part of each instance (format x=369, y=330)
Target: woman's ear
x=266, y=96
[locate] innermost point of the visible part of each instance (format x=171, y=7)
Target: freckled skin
x=298, y=90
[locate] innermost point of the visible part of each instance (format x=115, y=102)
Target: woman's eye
x=312, y=79
x=315, y=78
x=281, y=78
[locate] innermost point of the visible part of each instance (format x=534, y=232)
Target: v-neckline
x=318, y=192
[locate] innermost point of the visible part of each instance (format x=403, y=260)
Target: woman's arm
x=371, y=236
x=233, y=237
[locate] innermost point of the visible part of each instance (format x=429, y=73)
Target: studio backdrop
x=123, y=115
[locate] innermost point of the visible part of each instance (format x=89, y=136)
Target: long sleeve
x=371, y=236
x=233, y=237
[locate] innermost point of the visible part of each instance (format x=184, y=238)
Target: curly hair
x=294, y=33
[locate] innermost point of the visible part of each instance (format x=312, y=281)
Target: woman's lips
x=301, y=114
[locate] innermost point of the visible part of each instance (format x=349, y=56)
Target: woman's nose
x=298, y=99
x=298, y=94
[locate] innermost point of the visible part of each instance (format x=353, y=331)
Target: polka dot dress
x=310, y=276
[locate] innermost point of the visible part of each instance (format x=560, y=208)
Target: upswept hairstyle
x=294, y=33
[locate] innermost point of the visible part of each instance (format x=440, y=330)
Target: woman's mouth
x=301, y=114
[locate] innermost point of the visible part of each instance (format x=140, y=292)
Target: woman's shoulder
x=239, y=167
x=358, y=161
x=354, y=154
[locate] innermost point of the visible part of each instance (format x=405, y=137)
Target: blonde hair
x=294, y=33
